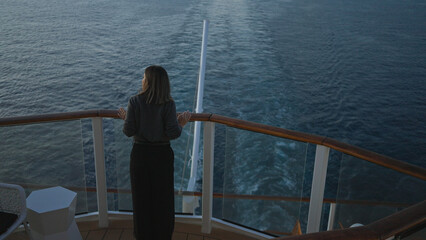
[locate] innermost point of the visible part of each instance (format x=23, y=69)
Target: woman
x=152, y=122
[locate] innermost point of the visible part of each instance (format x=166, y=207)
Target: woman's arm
x=122, y=113
x=129, y=127
x=183, y=118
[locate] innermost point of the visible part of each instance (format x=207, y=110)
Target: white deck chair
x=13, y=209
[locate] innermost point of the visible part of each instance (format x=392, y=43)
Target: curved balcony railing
x=401, y=224
x=363, y=154
x=292, y=189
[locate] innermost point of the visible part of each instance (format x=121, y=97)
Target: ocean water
x=354, y=71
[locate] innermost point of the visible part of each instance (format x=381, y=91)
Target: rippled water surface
x=351, y=70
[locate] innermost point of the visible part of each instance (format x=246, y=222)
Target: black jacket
x=151, y=123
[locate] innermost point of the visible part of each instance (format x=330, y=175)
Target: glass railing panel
x=182, y=148
x=123, y=148
x=43, y=155
x=263, y=181
x=368, y=192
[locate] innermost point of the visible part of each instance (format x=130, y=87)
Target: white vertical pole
x=331, y=216
x=318, y=186
x=101, y=189
x=200, y=92
x=208, y=165
x=188, y=202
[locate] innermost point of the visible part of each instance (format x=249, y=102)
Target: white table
x=51, y=214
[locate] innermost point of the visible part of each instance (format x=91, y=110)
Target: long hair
x=156, y=85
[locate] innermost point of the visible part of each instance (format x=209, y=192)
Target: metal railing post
x=331, y=216
x=318, y=186
x=101, y=188
x=208, y=165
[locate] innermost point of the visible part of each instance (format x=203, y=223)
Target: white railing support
x=208, y=165
x=318, y=186
x=101, y=188
x=331, y=216
x=189, y=202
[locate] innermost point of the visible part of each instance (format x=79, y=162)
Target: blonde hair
x=156, y=85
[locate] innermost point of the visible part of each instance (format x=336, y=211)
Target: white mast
x=188, y=203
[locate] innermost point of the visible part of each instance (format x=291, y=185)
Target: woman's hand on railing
x=183, y=118
x=122, y=113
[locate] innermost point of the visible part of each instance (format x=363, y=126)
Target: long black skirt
x=151, y=175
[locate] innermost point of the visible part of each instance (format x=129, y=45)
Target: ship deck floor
x=123, y=230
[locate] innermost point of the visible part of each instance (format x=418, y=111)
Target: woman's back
x=150, y=122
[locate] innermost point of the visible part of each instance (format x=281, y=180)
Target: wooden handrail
x=58, y=117
x=384, y=228
x=367, y=155
x=358, y=152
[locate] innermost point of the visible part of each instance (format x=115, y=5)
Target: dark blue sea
x=352, y=70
